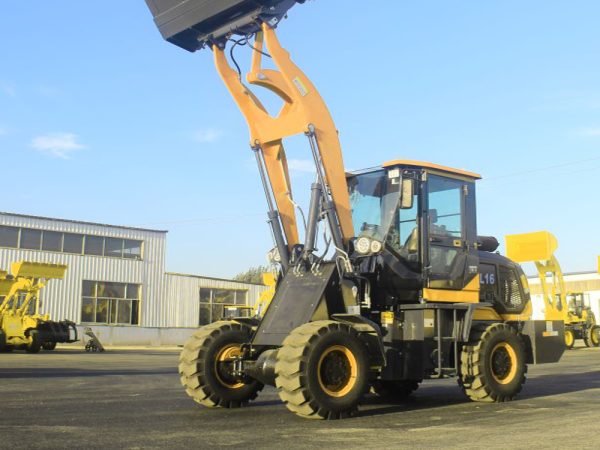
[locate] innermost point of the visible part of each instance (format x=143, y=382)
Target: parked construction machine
x=22, y=326
x=402, y=288
x=572, y=308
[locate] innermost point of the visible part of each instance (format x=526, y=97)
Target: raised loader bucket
x=38, y=270
x=192, y=24
x=538, y=246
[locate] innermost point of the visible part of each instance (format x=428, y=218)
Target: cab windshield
x=374, y=198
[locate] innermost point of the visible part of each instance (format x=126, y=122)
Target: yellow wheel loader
x=399, y=289
x=572, y=308
x=581, y=322
x=22, y=326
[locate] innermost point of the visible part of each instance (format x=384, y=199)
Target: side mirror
x=408, y=191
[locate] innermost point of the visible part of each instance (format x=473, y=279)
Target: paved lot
x=132, y=399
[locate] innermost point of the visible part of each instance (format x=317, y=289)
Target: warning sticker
x=300, y=86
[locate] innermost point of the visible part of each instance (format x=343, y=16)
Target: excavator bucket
x=193, y=24
x=526, y=247
x=38, y=270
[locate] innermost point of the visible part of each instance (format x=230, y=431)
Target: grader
x=22, y=326
x=403, y=289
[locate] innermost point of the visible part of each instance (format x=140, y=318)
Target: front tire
x=322, y=370
x=206, y=364
x=569, y=338
x=591, y=337
x=493, y=364
x=35, y=344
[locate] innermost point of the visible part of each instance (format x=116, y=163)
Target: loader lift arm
x=539, y=247
x=303, y=111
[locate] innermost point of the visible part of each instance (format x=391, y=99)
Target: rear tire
x=591, y=337
x=493, y=364
x=569, y=338
x=395, y=390
x=322, y=370
x=205, y=366
x=49, y=346
x=35, y=345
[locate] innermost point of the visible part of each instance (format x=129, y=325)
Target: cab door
x=450, y=235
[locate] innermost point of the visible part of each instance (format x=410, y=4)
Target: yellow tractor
x=570, y=307
x=22, y=326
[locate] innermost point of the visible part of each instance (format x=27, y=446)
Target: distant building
x=116, y=280
x=587, y=282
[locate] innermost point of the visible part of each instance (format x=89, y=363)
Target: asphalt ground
x=133, y=399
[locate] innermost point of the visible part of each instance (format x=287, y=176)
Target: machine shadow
x=440, y=396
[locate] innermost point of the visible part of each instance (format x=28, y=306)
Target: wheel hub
x=503, y=363
x=337, y=371
x=224, y=366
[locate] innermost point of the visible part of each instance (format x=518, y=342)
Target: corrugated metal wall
x=62, y=298
x=168, y=300
x=183, y=294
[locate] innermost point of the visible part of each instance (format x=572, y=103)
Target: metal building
x=586, y=282
x=116, y=280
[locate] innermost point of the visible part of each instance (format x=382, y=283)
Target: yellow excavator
x=22, y=325
x=571, y=307
x=385, y=285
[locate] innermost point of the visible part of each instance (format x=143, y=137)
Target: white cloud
x=207, y=136
x=301, y=165
x=595, y=132
x=58, y=145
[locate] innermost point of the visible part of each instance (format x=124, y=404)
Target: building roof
x=26, y=216
x=212, y=278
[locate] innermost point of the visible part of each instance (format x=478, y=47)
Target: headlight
x=375, y=246
x=362, y=245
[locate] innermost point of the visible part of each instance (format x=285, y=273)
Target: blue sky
x=102, y=120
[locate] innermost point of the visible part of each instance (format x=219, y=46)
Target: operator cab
x=416, y=232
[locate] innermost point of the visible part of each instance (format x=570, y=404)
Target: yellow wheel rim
x=337, y=371
x=594, y=336
x=569, y=338
x=223, y=363
x=503, y=363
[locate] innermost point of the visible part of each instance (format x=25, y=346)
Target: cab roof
x=428, y=165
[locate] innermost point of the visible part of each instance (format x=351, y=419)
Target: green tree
x=252, y=275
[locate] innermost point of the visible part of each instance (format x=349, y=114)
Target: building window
x=215, y=304
x=31, y=239
x=77, y=244
x=113, y=247
x=110, y=303
x=9, y=237
x=94, y=245
x=52, y=241
x=73, y=243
